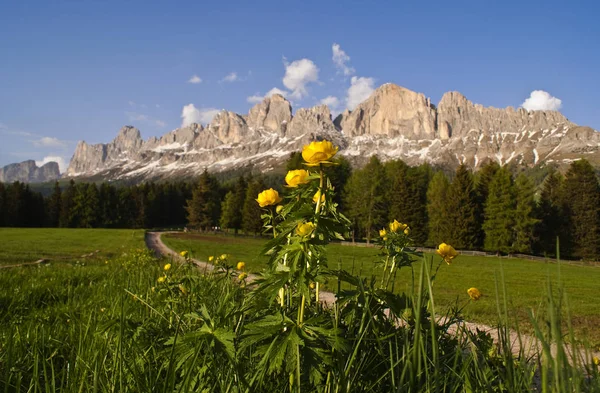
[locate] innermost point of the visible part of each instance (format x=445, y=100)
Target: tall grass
x=113, y=328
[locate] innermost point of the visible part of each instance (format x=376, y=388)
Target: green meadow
x=525, y=281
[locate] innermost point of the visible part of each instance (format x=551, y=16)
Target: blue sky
x=73, y=70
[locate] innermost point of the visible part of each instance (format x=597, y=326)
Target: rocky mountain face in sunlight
x=29, y=172
x=393, y=123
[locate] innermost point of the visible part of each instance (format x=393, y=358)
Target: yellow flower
x=296, y=177
x=223, y=256
x=312, y=285
x=243, y=276
x=161, y=279
x=305, y=229
x=268, y=197
x=279, y=208
x=184, y=254
x=102, y=309
x=241, y=265
x=211, y=258
x=317, y=152
x=397, y=226
x=317, y=196
x=167, y=266
x=382, y=233
x=406, y=230
x=447, y=252
x=596, y=361
x=474, y=293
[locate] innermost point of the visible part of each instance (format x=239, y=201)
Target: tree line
x=490, y=210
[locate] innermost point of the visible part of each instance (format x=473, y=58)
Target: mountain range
x=393, y=123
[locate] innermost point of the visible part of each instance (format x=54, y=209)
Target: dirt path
x=531, y=344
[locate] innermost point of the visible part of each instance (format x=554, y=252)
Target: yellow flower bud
x=596, y=361
x=296, y=177
x=223, y=256
x=167, y=266
x=474, y=293
x=312, y=285
x=305, y=229
x=407, y=231
x=161, y=279
x=184, y=254
x=241, y=265
x=316, y=153
x=396, y=226
x=447, y=252
x=317, y=196
x=279, y=208
x=382, y=233
x=268, y=197
x=211, y=258
x=243, y=276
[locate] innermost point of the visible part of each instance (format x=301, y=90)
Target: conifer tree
x=251, y=212
x=462, y=210
x=525, y=220
x=365, y=198
x=233, y=205
x=437, y=210
x=551, y=213
x=582, y=202
x=204, y=207
x=2, y=204
x=482, y=180
x=499, y=213
x=53, y=206
x=66, y=214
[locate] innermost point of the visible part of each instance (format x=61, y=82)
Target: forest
x=492, y=209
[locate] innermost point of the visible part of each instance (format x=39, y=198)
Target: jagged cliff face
x=394, y=123
x=29, y=172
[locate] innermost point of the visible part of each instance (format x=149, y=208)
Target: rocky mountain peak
x=272, y=114
x=29, y=172
x=128, y=138
x=391, y=111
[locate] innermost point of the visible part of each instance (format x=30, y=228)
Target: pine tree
x=462, y=210
x=232, y=206
x=365, y=198
x=499, y=213
x=53, y=206
x=2, y=205
x=582, y=203
x=67, y=203
x=251, y=212
x=551, y=213
x=525, y=220
x=483, y=179
x=437, y=209
x=204, y=207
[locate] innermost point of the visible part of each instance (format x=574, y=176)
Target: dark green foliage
x=483, y=179
x=53, y=205
x=251, y=212
x=204, y=206
x=461, y=210
x=552, y=218
x=67, y=204
x=365, y=198
x=437, y=195
x=233, y=206
x=406, y=195
x=525, y=220
x=500, y=213
x=582, y=203
x=294, y=162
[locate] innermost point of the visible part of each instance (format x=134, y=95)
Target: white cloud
x=47, y=141
x=190, y=114
x=340, y=58
x=360, y=89
x=298, y=74
x=331, y=101
x=540, y=100
x=232, y=77
x=255, y=99
x=160, y=123
x=131, y=103
x=195, y=79
x=62, y=162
